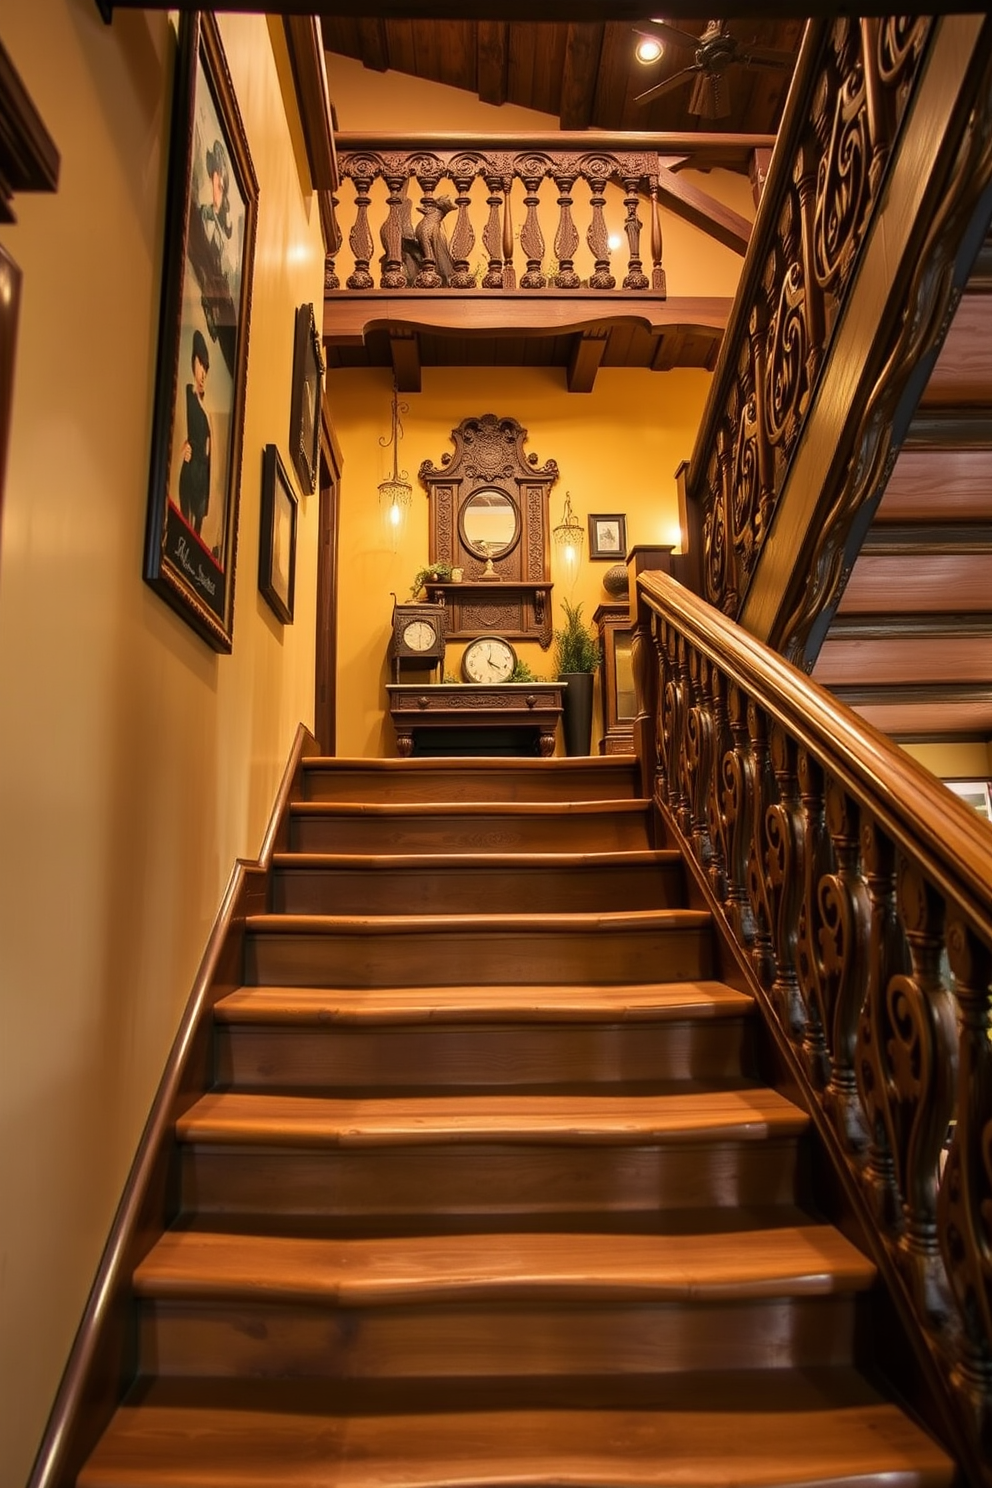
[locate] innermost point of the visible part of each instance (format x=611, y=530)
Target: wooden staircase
x=488, y=1190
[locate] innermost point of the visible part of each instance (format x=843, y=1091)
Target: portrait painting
x=191, y=539
x=277, y=540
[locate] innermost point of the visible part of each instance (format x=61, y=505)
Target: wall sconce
x=568, y=536
x=395, y=493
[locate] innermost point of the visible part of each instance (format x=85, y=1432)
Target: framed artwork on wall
x=277, y=542
x=191, y=532
x=607, y=536
x=304, y=413
x=977, y=793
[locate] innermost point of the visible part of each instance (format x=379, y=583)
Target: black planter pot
x=576, y=711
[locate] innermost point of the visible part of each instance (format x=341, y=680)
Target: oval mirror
x=489, y=522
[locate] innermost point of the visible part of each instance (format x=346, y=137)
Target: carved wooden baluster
x=492, y=234
x=785, y=851
x=875, y=1085
x=662, y=742
x=804, y=175
x=673, y=722
x=635, y=277
x=567, y=236
x=462, y=172
x=428, y=176
x=845, y=928
x=964, y=1204
x=683, y=670
x=393, y=273
x=814, y=983
x=644, y=667
x=729, y=596
x=923, y=1054
x=715, y=688
x=737, y=811
x=331, y=280
x=531, y=237
x=878, y=129
x=509, y=272
x=597, y=237
x=659, y=282
x=698, y=760
x=758, y=335
x=360, y=237
x=762, y=956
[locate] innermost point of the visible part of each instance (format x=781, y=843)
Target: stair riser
x=495, y=783
x=479, y=1055
x=486, y=1178
x=559, y=831
x=449, y=958
x=471, y=890
x=539, y=1338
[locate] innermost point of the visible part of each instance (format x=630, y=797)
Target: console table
x=511, y=718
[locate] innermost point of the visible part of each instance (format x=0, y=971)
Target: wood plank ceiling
x=583, y=73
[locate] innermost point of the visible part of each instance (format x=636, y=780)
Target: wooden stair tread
x=808, y=1260
x=411, y=810
x=465, y=862
x=749, y=1114
x=626, y=921
x=777, y=1429
x=320, y=1006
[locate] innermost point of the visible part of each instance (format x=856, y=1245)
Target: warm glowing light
x=395, y=515
x=614, y=241
x=649, y=49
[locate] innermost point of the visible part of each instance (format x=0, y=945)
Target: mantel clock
x=418, y=636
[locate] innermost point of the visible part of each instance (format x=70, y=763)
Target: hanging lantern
x=568, y=536
x=395, y=493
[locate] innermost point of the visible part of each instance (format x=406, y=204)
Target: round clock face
x=419, y=635
x=488, y=659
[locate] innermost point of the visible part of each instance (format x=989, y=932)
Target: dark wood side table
x=511, y=718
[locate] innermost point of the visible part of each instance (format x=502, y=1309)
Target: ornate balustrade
x=856, y=895
x=853, y=86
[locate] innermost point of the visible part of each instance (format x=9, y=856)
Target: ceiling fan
x=715, y=50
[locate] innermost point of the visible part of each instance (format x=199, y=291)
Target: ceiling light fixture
x=649, y=49
x=568, y=535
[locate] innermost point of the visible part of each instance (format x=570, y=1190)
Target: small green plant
x=432, y=571
x=522, y=673
x=577, y=649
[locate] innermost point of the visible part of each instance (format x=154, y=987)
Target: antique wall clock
x=489, y=658
x=418, y=636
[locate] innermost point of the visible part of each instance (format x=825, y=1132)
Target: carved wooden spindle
x=336, y=238
x=844, y=942
x=715, y=689
x=759, y=519
x=804, y=175
x=531, y=237
x=923, y=1053
x=492, y=234
x=762, y=954
x=427, y=275
x=680, y=652
x=728, y=595
x=785, y=852
x=814, y=983
x=635, y=277
x=509, y=272
x=737, y=813
x=964, y=1203
x=698, y=760
x=875, y=100
x=393, y=273
x=659, y=282
x=331, y=280
x=644, y=667
x=360, y=238
x=673, y=725
x=875, y=1083
x=567, y=236
x=597, y=237
x=463, y=236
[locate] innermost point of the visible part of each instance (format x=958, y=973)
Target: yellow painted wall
x=617, y=449
x=949, y=761
x=135, y=764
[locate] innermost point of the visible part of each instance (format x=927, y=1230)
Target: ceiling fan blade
x=664, y=32
x=675, y=81
x=710, y=98
x=765, y=57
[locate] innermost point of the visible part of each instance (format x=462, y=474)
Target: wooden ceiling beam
x=583, y=53
x=539, y=10
x=404, y=349
x=374, y=43
x=492, y=48
x=349, y=318
x=704, y=211
x=587, y=355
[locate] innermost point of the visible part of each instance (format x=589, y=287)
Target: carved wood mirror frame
x=515, y=599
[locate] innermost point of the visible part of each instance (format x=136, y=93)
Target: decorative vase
x=616, y=581
x=576, y=711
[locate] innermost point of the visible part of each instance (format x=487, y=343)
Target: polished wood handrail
x=855, y=892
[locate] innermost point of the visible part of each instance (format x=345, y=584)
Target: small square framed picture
x=607, y=536
x=976, y=793
x=277, y=545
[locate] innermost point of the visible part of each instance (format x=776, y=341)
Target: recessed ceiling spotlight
x=649, y=49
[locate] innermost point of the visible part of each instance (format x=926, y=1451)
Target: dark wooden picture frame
x=304, y=412
x=277, y=541
x=607, y=536
x=191, y=533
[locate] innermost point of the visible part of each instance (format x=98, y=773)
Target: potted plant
x=577, y=655
x=431, y=574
